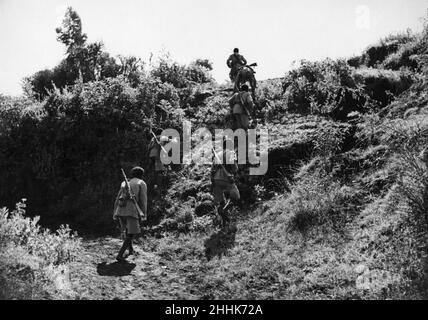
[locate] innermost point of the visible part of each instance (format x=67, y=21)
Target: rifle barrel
x=158, y=142
x=218, y=158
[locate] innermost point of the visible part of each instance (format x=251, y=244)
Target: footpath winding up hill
x=341, y=213
x=96, y=274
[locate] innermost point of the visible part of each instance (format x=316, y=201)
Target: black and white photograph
x=211, y=156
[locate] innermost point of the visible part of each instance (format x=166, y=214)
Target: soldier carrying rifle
x=130, y=208
x=223, y=181
x=156, y=166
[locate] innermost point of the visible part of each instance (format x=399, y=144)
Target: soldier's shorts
x=220, y=187
x=130, y=225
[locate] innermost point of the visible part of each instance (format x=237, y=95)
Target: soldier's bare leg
x=127, y=244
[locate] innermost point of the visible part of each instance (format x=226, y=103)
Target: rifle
x=141, y=214
x=219, y=160
x=157, y=141
x=224, y=169
x=250, y=66
x=222, y=166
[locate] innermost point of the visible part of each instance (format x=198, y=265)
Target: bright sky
x=273, y=33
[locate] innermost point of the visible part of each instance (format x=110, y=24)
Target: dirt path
x=96, y=275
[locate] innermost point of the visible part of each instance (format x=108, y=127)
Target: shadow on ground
x=115, y=269
x=220, y=242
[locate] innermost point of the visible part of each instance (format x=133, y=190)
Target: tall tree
x=70, y=33
x=84, y=61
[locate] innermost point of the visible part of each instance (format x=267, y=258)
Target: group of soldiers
x=131, y=202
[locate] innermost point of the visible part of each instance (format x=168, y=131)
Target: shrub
x=326, y=88
x=214, y=113
x=73, y=150
x=170, y=72
x=198, y=72
x=180, y=76
x=384, y=85
x=52, y=248
x=32, y=259
x=375, y=55
x=90, y=63
x=409, y=52
x=270, y=100
x=329, y=138
x=404, y=57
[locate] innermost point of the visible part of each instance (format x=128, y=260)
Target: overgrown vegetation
x=341, y=213
x=64, y=144
x=33, y=260
x=344, y=206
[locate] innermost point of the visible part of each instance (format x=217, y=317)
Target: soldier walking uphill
x=156, y=165
x=235, y=62
x=223, y=181
x=242, y=106
x=130, y=206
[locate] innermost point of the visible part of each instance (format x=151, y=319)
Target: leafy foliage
x=72, y=149
x=84, y=62
x=326, y=88
x=53, y=248
x=71, y=33
x=181, y=76
x=31, y=258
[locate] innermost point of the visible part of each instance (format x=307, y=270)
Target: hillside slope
x=341, y=213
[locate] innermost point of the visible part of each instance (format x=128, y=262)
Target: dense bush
x=84, y=61
x=407, y=54
x=214, y=113
x=327, y=88
x=65, y=154
x=397, y=51
x=383, y=86
x=31, y=257
x=270, y=100
x=52, y=248
x=198, y=71
x=181, y=76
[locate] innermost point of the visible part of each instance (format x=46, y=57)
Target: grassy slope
x=347, y=227
x=367, y=244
